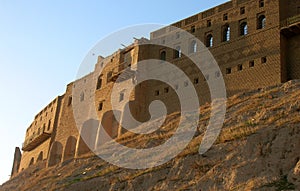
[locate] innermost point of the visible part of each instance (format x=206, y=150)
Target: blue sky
x=42, y=44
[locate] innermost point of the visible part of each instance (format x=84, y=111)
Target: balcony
x=291, y=26
x=35, y=140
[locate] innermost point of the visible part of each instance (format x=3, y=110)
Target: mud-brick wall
x=38, y=154
x=293, y=58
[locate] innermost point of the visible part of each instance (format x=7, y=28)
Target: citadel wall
x=247, y=61
x=261, y=53
x=67, y=142
x=38, y=135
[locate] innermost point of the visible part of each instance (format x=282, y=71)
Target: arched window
x=40, y=157
x=163, y=55
x=261, y=22
x=177, y=52
x=31, y=161
x=226, y=33
x=193, y=47
x=209, y=40
x=243, y=28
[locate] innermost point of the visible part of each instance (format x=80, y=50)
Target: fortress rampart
x=256, y=43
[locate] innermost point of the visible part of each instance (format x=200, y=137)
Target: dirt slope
x=258, y=149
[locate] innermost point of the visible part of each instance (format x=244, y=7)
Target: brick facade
x=261, y=49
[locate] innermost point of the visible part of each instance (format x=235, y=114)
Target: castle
x=256, y=43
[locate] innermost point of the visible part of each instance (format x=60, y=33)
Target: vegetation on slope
x=258, y=149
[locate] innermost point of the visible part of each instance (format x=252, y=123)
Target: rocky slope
x=258, y=149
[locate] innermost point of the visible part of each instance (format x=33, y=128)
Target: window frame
x=157, y=93
x=163, y=55
x=239, y=67
x=208, y=23
x=226, y=33
x=263, y=59
x=228, y=70
x=261, y=21
x=209, y=40
x=166, y=90
x=251, y=63
x=225, y=17
x=242, y=10
x=261, y=3
x=99, y=83
x=243, y=26
x=193, y=47
x=193, y=29
x=177, y=52
x=100, y=106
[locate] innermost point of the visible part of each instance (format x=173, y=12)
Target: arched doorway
x=70, y=148
x=110, y=126
x=31, y=162
x=88, y=136
x=40, y=157
x=55, y=154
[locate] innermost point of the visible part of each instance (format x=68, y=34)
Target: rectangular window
x=240, y=67
x=193, y=29
x=196, y=80
x=228, y=70
x=242, y=10
x=99, y=83
x=251, y=64
x=156, y=93
x=100, y=106
x=208, y=23
x=264, y=60
x=49, y=125
x=261, y=3
x=166, y=90
x=70, y=101
x=225, y=17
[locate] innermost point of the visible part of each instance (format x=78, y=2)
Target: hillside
x=258, y=149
